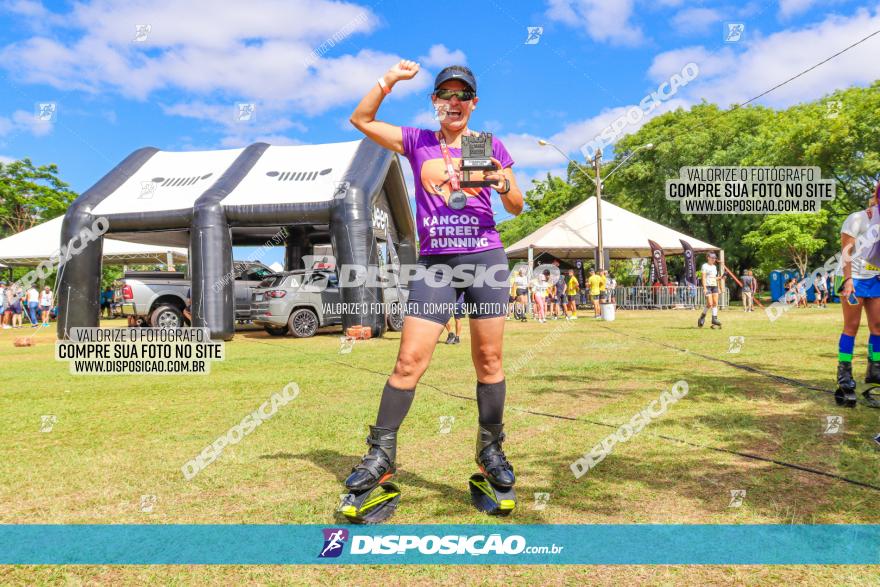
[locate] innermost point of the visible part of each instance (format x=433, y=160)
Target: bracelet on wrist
x=386, y=89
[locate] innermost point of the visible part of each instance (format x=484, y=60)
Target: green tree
x=546, y=200
x=837, y=133
x=30, y=195
x=706, y=136
x=793, y=237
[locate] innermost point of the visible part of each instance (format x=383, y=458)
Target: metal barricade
x=665, y=298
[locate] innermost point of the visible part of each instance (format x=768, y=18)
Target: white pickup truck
x=157, y=298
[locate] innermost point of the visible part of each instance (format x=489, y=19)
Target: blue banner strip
x=440, y=544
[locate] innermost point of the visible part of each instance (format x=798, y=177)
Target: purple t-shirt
x=441, y=229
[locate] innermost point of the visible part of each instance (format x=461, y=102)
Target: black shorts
x=459, y=310
x=521, y=291
x=433, y=298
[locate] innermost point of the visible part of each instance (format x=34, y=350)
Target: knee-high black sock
x=490, y=401
x=394, y=406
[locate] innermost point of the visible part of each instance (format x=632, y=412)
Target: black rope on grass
x=744, y=455
x=774, y=376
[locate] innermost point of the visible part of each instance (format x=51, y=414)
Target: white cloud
x=695, y=21
x=524, y=179
x=439, y=56
x=5, y=159
x=728, y=77
x=528, y=153
x=790, y=8
x=425, y=119
x=603, y=21
x=239, y=133
x=272, y=52
x=710, y=63
x=24, y=121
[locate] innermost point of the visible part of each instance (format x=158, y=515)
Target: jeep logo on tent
x=178, y=182
x=298, y=175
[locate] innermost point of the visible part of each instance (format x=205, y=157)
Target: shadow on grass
x=339, y=465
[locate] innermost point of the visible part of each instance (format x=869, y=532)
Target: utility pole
x=597, y=165
x=597, y=162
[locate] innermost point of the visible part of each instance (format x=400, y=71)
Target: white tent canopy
x=37, y=244
x=624, y=235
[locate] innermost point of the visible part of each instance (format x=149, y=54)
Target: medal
x=457, y=199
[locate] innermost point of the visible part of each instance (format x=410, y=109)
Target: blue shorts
x=867, y=288
x=432, y=298
x=711, y=289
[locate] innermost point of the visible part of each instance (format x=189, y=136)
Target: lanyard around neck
x=450, y=168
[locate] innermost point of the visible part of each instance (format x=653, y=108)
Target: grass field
x=118, y=438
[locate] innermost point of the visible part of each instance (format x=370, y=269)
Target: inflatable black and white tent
x=346, y=194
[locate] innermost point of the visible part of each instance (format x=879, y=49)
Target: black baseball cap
x=459, y=72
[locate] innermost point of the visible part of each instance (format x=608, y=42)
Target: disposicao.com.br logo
x=475, y=545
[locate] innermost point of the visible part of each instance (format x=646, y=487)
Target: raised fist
x=403, y=70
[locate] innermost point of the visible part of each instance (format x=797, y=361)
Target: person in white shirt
x=541, y=285
x=46, y=299
x=710, y=278
x=859, y=289
x=33, y=302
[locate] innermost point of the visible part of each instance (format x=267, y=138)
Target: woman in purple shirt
x=456, y=229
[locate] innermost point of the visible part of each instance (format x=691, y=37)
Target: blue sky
x=178, y=88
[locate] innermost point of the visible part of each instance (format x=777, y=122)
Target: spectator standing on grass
x=748, y=291
x=541, y=285
x=3, y=305
x=802, y=295
x=15, y=297
x=107, y=301
x=46, y=301
x=790, y=294
x=511, y=296
x=522, y=291
x=7, y=307
x=458, y=313
x=533, y=295
x=187, y=311
x=32, y=298
x=562, y=293
x=595, y=284
x=611, y=287
x=820, y=286
x=572, y=292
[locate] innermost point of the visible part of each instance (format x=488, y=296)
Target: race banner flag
x=690, y=264
x=659, y=264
